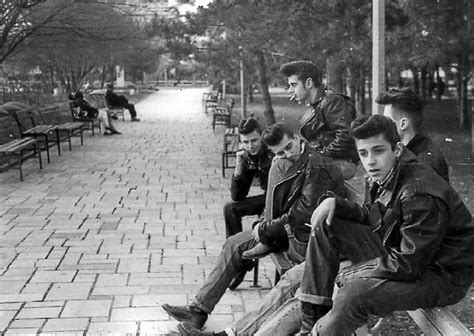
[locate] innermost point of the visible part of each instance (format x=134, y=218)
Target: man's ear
x=399, y=149
x=309, y=83
x=404, y=123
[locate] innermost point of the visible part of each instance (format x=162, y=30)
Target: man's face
x=251, y=142
x=377, y=156
x=287, y=148
x=298, y=89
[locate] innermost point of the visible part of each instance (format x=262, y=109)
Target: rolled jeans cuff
x=315, y=299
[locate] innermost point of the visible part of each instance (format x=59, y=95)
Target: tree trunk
x=463, y=93
x=424, y=71
x=360, y=95
x=262, y=75
x=416, y=80
x=352, y=80
x=334, y=70
x=250, y=92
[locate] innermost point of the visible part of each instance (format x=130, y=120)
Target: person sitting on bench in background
x=413, y=237
x=405, y=108
x=298, y=177
x=93, y=112
x=114, y=100
x=253, y=160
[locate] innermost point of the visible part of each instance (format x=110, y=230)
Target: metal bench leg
x=20, y=159
x=255, y=274
x=58, y=142
x=38, y=150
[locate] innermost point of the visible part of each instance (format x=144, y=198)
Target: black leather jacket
x=295, y=197
x=326, y=126
x=240, y=185
x=426, y=151
x=422, y=223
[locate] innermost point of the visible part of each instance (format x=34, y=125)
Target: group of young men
x=409, y=245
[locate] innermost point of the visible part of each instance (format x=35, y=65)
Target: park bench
x=221, y=115
x=28, y=125
x=209, y=101
x=230, y=148
x=12, y=145
x=52, y=116
x=78, y=116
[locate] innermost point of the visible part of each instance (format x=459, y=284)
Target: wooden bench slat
x=439, y=321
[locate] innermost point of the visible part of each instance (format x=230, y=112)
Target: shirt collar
x=320, y=92
x=387, y=186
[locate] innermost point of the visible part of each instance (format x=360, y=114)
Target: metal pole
x=242, y=86
x=378, y=52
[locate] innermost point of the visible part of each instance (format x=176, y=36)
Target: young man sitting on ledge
x=411, y=244
x=298, y=177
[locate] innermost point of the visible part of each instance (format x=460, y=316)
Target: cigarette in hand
x=308, y=225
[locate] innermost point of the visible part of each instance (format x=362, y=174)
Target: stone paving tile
x=66, y=324
x=53, y=276
x=41, y=312
x=138, y=314
x=69, y=291
x=113, y=328
x=87, y=308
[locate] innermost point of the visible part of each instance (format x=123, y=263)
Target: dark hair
x=273, y=134
x=76, y=95
x=405, y=101
x=247, y=126
x=303, y=69
x=370, y=126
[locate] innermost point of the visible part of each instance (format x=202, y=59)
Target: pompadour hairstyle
x=406, y=102
x=303, y=69
x=374, y=125
x=273, y=134
x=247, y=126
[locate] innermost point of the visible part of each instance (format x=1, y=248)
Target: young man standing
x=411, y=244
x=252, y=161
x=293, y=190
x=405, y=108
x=325, y=125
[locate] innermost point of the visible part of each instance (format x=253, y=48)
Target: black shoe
x=108, y=132
x=115, y=131
x=187, y=314
x=248, y=265
x=258, y=251
x=185, y=329
x=135, y=119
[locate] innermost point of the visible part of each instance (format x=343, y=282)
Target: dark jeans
x=230, y=263
x=131, y=108
x=358, y=296
x=235, y=210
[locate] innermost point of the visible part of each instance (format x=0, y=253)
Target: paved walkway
x=104, y=235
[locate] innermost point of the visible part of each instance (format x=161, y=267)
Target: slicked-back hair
x=406, y=102
x=247, y=126
x=374, y=125
x=302, y=69
x=273, y=134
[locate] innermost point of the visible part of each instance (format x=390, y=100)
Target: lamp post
x=242, y=85
x=378, y=52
